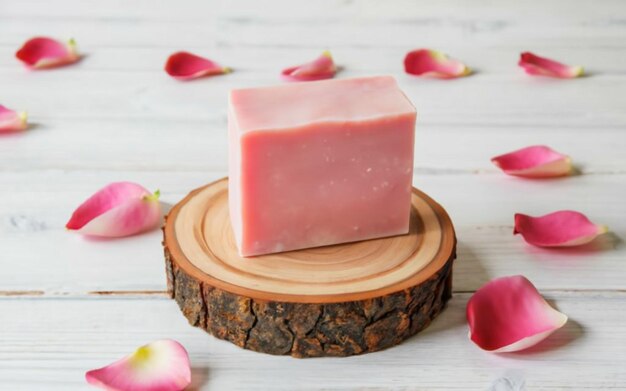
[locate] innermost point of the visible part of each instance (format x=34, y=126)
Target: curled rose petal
x=538, y=161
x=508, y=314
x=12, y=121
x=322, y=67
x=43, y=52
x=119, y=209
x=535, y=65
x=426, y=62
x=558, y=229
x=187, y=66
x=158, y=366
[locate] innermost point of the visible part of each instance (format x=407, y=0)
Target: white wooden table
x=68, y=304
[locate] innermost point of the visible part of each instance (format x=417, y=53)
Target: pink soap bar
x=319, y=163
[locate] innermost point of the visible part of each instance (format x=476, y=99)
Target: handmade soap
x=319, y=163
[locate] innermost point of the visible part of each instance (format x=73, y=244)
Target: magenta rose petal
x=564, y=228
x=43, y=52
x=321, y=68
x=12, y=121
x=508, y=314
x=537, y=161
x=188, y=66
x=158, y=366
x=541, y=66
x=119, y=209
x=426, y=62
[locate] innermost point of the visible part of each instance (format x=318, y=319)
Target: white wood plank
x=35, y=206
x=50, y=343
x=508, y=99
x=194, y=145
x=362, y=23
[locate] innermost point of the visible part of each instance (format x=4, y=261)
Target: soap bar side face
x=234, y=176
x=325, y=184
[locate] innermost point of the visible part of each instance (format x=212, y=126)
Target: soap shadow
x=199, y=378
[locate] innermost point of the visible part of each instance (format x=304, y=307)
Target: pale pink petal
x=322, y=67
x=538, y=161
x=119, y=209
x=12, y=121
x=43, y=52
x=558, y=229
x=508, y=314
x=426, y=62
x=187, y=66
x=535, y=65
x=158, y=366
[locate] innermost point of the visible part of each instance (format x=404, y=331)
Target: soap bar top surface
x=296, y=105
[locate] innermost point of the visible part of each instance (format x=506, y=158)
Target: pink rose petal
x=119, y=209
x=158, y=366
x=12, y=121
x=322, y=67
x=187, y=66
x=43, y=52
x=535, y=65
x=508, y=314
x=426, y=62
x=538, y=161
x=559, y=229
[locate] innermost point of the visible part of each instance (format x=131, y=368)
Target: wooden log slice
x=329, y=301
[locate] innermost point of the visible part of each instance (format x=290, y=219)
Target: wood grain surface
x=199, y=238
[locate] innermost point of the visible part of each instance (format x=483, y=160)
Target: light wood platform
x=334, y=300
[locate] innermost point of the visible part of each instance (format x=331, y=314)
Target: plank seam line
x=8, y=294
